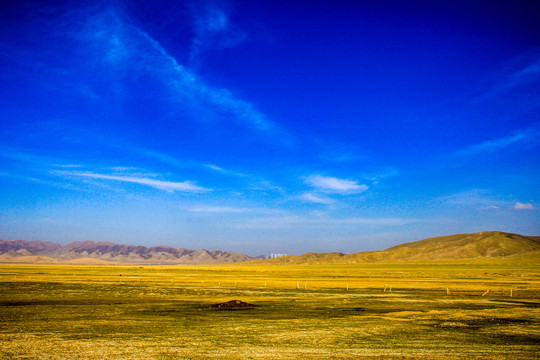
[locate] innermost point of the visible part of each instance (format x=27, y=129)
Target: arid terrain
x=489, y=310
x=102, y=253
x=482, y=245
x=484, y=307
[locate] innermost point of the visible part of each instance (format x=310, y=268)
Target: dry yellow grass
x=303, y=312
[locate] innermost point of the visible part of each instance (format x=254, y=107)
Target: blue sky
x=268, y=126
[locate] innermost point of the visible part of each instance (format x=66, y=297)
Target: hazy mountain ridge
x=108, y=252
x=487, y=244
x=482, y=245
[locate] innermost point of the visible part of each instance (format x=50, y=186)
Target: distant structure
x=273, y=256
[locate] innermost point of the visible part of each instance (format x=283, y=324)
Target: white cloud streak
x=156, y=155
x=474, y=198
x=374, y=178
x=335, y=185
x=522, y=70
x=293, y=221
x=530, y=72
x=481, y=199
x=522, y=137
x=187, y=85
x=313, y=198
x=129, y=49
x=223, y=171
x=185, y=186
x=217, y=209
x=523, y=206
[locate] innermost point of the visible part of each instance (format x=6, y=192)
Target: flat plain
x=487, y=309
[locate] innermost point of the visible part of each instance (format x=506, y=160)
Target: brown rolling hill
x=482, y=245
x=97, y=252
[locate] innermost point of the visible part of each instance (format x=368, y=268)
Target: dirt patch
x=453, y=325
x=234, y=305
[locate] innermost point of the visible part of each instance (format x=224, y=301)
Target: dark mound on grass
x=234, y=305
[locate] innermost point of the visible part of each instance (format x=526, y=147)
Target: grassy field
x=488, y=310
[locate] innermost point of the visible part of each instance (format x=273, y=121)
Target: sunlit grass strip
x=455, y=280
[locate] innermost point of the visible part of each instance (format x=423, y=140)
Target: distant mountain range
x=488, y=244
x=93, y=252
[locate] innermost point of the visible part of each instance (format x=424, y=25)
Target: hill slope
x=98, y=252
x=483, y=245
x=488, y=244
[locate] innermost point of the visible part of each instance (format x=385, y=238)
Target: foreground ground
x=375, y=311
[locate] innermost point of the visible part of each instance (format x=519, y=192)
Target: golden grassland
x=486, y=309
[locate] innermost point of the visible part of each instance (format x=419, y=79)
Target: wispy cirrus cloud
x=388, y=173
x=518, y=72
x=213, y=29
x=128, y=49
x=478, y=198
x=188, y=86
x=293, y=221
x=36, y=180
x=183, y=186
x=483, y=200
x=265, y=186
x=316, y=199
x=178, y=163
x=511, y=96
x=155, y=155
x=224, y=171
x=335, y=185
x=519, y=138
x=217, y=209
x=529, y=72
x=25, y=156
